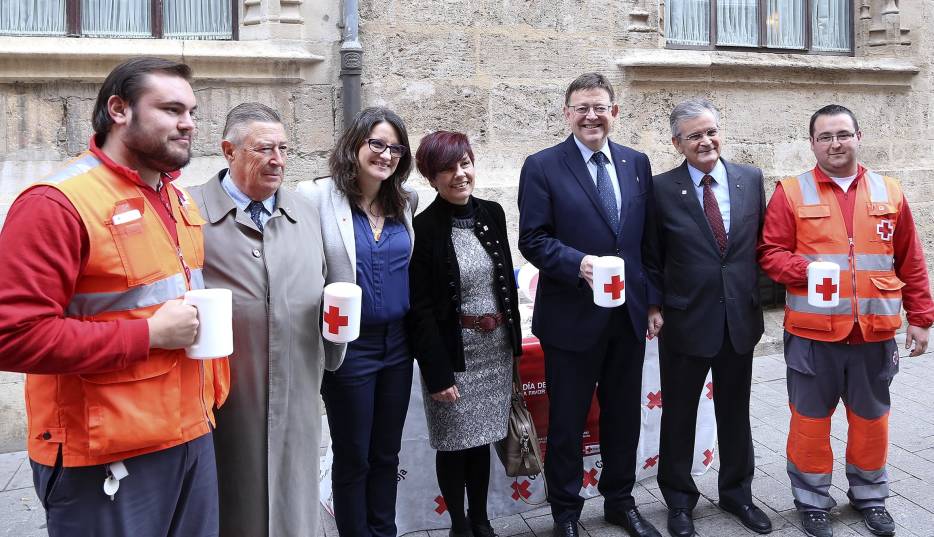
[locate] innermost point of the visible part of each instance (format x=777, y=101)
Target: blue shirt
x=241, y=200
x=587, y=153
x=382, y=269
x=720, y=187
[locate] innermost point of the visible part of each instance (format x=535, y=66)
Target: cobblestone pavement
x=911, y=469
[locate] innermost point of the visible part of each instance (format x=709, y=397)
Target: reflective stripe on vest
x=800, y=303
x=73, y=169
x=863, y=261
x=879, y=306
x=809, y=195
x=143, y=296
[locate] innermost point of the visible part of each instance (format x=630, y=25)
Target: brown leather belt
x=483, y=323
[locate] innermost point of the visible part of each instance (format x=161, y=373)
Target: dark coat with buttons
x=434, y=320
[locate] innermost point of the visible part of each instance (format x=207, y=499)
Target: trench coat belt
x=483, y=323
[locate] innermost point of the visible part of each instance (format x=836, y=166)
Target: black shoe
x=482, y=529
x=878, y=520
x=680, y=523
x=458, y=532
x=631, y=521
x=816, y=523
x=566, y=529
x=751, y=516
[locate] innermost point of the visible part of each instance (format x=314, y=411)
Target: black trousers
x=682, y=379
x=614, y=367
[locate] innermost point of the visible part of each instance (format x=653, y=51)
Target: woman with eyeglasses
x=366, y=225
x=465, y=327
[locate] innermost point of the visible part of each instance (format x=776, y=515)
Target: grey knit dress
x=481, y=413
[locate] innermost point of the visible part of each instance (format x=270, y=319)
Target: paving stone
x=9, y=464
x=22, y=514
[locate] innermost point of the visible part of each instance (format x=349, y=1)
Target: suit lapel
x=344, y=218
x=692, y=205
x=736, y=182
x=578, y=168
x=627, y=179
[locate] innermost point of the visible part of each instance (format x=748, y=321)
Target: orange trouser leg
x=810, y=460
x=866, y=451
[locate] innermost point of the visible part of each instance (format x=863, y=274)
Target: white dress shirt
x=720, y=187
x=587, y=153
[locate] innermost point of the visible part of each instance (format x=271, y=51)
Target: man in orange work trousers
x=846, y=214
x=96, y=258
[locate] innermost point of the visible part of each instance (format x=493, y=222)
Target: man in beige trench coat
x=263, y=242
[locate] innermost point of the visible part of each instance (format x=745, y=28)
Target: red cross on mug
x=335, y=320
x=615, y=287
x=826, y=289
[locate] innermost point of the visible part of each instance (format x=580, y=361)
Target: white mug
x=609, y=281
x=823, y=284
x=340, y=319
x=215, y=323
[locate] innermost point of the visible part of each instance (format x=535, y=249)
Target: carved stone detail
x=639, y=17
x=884, y=23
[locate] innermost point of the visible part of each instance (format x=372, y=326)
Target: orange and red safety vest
x=134, y=266
x=870, y=292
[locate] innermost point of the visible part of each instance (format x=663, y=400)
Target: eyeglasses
x=378, y=146
x=269, y=150
x=698, y=136
x=842, y=137
x=598, y=109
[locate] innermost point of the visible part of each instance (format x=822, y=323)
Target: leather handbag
x=519, y=451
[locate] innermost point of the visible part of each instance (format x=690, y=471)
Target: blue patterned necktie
x=605, y=189
x=256, y=209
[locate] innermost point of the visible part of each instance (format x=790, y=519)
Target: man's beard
x=154, y=153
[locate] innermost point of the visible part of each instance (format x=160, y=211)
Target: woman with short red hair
x=465, y=326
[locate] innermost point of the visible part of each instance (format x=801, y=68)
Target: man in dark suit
x=582, y=198
x=701, y=253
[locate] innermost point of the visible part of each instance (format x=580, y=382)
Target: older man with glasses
x=843, y=213
x=708, y=217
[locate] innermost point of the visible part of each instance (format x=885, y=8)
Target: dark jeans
x=367, y=399
x=169, y=493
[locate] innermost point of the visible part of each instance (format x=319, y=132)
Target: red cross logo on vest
x=520, y=489
x=442, y=507
x=615, y=287
x=650, y=462
x=655, y=399
x=710, y=390
x=885, y=229
x=708, y=457
x=590, y=478
x=826, y=289
x=335, y=320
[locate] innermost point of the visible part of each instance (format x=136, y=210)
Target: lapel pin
x=684, y=192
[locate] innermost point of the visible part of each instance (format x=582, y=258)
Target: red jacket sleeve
x=911, y=268
x=777, y=244
x=45, y=248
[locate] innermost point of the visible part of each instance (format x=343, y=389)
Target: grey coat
x=337, y=232
x=269, y=430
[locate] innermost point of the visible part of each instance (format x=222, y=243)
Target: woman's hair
x=345, y=166
x=440, y=151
